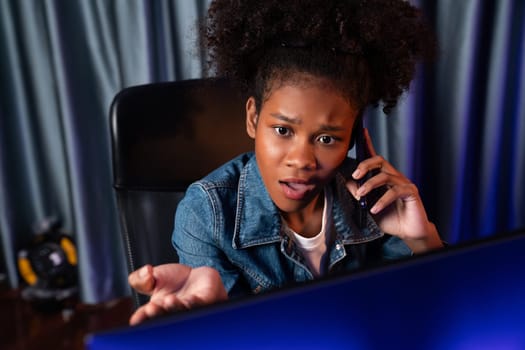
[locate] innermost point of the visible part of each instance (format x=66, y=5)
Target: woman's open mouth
x=296, y=190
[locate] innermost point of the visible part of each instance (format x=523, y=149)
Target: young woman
x=286, y=213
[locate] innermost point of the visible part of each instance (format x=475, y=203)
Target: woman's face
x=301, y=133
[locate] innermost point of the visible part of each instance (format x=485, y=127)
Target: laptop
x=470, y=296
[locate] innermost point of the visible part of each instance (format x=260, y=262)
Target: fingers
x=149, y=279
x=157, y=307
x=177, y=287
x=142, y=280
x=146, y=312
x=182, y=302
x=174, y=303
x=382, y=174
x=374, y=163
x=405, y=192
x=170, y=277
x=157, y=282
x=397, y=185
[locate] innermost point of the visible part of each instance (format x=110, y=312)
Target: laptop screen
x=466, y=297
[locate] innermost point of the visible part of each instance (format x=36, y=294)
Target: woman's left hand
x=400, y=211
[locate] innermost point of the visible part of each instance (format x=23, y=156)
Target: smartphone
x=361, y=153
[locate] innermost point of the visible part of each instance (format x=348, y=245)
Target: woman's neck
x=308, y=221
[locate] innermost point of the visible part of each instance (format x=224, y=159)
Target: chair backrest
x=164, y=137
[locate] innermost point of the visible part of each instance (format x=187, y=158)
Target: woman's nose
x=302, y=156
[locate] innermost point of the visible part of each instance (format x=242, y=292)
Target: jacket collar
x=258, y=221
x=343, y=210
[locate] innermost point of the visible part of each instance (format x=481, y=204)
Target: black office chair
x=164, y=137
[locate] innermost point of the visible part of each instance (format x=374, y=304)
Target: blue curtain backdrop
x=61, y=64
x=457, y=133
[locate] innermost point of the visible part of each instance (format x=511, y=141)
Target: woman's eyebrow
x=326, y=127
x=291, y=120
x=298, y=121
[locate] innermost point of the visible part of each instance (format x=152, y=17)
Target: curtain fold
x=62, y=64
x=498, y=177
x=477, y=83
x=458, y=133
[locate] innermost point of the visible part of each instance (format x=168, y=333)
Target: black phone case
x=362, y=153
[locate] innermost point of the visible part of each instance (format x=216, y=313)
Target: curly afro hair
x=368, y=49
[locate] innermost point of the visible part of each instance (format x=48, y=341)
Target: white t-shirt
x=314, y=249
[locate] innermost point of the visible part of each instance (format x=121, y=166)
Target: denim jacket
x=228, y=221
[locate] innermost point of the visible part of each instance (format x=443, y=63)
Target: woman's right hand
x=173, y=287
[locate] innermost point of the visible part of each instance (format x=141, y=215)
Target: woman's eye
x=326, y=139
x=281, y=130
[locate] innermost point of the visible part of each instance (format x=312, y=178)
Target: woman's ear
x=251, y=117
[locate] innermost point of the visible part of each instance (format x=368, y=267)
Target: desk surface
x=470, y=297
